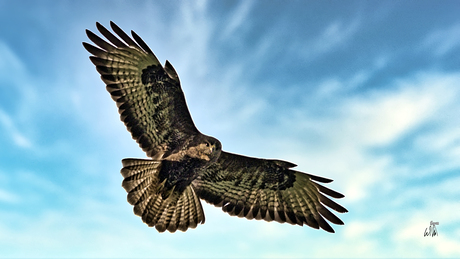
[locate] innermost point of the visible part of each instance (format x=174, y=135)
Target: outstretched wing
x=269, y=190
x=149, y=97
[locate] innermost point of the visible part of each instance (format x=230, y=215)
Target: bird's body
x=186, y=165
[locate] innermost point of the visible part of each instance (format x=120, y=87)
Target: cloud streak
x=442, y=41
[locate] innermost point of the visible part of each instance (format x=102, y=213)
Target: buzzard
x=186, y=165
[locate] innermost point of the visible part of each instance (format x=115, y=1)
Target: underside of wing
x=268, y=190
x=149, y=97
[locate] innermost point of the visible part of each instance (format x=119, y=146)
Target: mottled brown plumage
x=186, y=165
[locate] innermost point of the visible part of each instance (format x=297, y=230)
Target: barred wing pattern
x=149, y=97
x=157, y=206
x=268, y=189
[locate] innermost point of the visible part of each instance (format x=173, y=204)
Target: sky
x=363, y=92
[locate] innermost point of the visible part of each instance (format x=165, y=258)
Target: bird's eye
x=207, y=144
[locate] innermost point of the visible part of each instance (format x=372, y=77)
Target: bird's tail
x=165, y=209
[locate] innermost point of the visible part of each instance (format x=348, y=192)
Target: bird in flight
x=186, y=165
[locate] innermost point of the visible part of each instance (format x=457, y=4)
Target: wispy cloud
x=332, y=37
x=237, y=21
x=11, y=74
x=444, y=40
x=18, y=138
x=8, y=197
x=9, y=63
x=383, y=116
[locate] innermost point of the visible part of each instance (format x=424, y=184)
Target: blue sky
x=363, y=92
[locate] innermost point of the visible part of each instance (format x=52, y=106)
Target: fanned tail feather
x=160, y=208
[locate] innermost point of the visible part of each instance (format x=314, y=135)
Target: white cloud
x=384, y=115
x=360, y=229
x=381, y=116
x=443, y=141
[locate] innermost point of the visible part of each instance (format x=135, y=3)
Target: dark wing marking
x=268, y=190
x=165, y=209
x=149, y=97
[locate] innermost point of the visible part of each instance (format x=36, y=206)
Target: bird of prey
x=186, y=165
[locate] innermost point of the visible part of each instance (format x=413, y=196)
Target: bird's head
x=205, y=148
x=212, y=147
